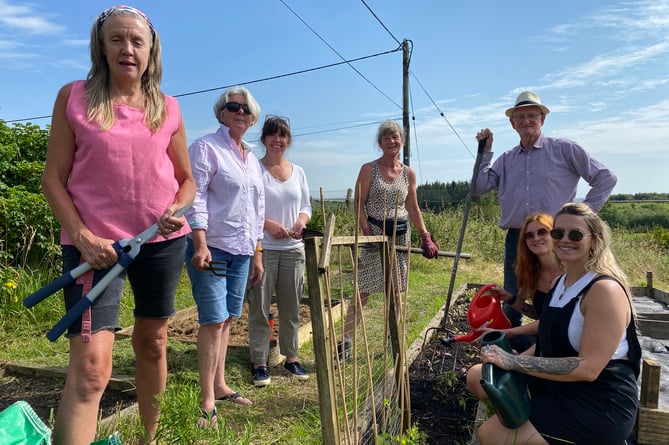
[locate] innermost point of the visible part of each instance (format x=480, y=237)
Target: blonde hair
x=98, y=99
x=601, y=259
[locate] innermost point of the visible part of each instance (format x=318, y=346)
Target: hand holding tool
x=126, y=250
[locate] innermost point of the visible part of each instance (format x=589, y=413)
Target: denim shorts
x=218, y=297
x=153, y=275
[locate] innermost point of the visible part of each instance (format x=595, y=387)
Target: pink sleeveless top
x=121, y=179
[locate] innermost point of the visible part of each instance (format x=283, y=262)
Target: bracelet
x=512, y=300
x=258, y=249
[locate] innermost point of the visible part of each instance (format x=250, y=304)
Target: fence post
x=323, y=360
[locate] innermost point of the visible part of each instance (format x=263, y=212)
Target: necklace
x=565, y=289
x=280, y=172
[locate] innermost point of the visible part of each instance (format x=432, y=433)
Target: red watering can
x=485, y=311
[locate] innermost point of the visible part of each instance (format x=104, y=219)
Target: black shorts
x=153, y=275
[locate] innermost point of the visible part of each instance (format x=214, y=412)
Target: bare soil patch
x=43, y=395
x=440, y=403
x=184, y=326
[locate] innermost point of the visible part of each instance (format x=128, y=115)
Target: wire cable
x=264, y=79
x=441, y=113
x=380, y=22
x=342, y=57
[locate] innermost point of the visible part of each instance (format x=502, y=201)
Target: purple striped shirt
x=542, y=179
x=230, y=195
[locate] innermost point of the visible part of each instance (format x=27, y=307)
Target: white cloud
x=602, y=66
x=77, y=42
x=23, y=18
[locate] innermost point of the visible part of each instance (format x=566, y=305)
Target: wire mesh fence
x=363, y=384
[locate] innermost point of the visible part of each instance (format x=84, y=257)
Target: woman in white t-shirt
x=287, y=212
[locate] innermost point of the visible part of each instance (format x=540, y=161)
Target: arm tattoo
x=545, y=365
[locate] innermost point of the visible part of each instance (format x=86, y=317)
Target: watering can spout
x=485, y=311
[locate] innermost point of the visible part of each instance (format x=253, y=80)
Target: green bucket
x=20, y=425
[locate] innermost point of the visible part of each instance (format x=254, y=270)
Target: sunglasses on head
x=532, y=235
x=573, y=235
x=235, y=106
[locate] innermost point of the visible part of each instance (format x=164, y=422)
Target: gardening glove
x=367, y=231
x=429, y=248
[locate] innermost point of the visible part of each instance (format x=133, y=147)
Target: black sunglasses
x=532, y=235
x=573, y=235
x=235, y=106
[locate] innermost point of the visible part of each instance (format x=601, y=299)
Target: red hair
x=528, y=267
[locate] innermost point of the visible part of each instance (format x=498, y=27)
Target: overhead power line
x=380, y=22
x=264, y=79
x=441, y=113
x=294, y=73
x=366, y=124
x=342, y=57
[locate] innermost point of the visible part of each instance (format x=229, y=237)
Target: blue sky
x=600, y=66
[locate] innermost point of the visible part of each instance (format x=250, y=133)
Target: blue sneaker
x=261, y=376
x=296, y=370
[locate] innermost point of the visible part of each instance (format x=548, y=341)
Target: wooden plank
x=326, y=248
x=373, y=239
x=650, y=384
x=652, y=427
x=117, y=383
x=657, y=329
x=660, y=295
x=481, y=416
x=653, y=316
x=323, y=360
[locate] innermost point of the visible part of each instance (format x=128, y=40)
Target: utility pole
x=405, y=102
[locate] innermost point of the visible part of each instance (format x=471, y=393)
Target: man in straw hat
x=538, y=175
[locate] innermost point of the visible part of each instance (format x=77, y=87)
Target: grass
x=287, y=411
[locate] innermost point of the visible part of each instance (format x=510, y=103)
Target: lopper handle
x=69, y=318
x=57, y=284
x=83, y=304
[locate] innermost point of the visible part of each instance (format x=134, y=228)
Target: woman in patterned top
x=385, y=189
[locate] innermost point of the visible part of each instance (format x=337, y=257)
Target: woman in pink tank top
x=117, y=162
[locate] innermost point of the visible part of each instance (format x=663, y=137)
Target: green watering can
x=507, y=390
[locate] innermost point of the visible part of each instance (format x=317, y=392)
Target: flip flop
x=208, y=420
x=235, y=398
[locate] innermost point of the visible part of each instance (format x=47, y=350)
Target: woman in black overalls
x=582, y=376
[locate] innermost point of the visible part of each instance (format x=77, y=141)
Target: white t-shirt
x=284, y=201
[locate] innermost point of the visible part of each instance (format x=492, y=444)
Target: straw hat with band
x=527, y=99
